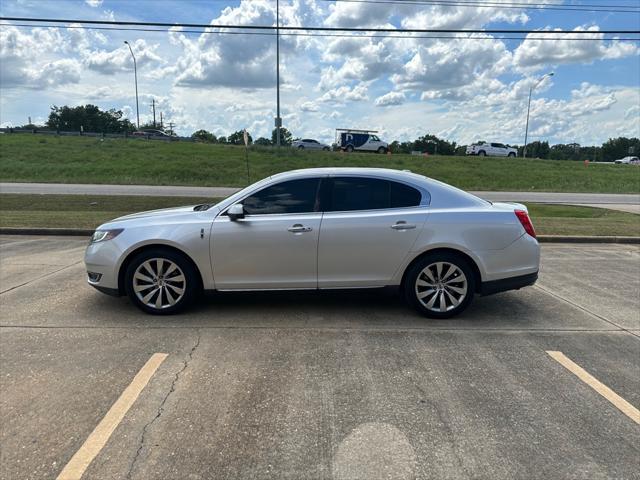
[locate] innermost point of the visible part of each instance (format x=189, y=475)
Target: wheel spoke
x=144, y=278
x=439, y=270
x=178, y=290
x=141, y=287
x=172, y=267
x=170, y=299
x=423, y=283
x=159, y=298
x=459, y=290
x=432, y=301
x=147, y=266
x=426, y=293
x=427, y=272
x=451, y=269
x=454, y=301
x=149, y=295
x=160, y=265
x=177, y=278
x=443, y=302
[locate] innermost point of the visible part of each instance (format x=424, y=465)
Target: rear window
x=356, y=193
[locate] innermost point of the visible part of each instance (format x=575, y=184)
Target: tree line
x=90, y=118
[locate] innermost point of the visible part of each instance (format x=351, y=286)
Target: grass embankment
x=38, y=158
x=79, y=211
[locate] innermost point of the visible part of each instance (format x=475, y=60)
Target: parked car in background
x=310, y=144
x=491, y=150
x=360, y=140
x=628, y=160
x=322, y=228
x=153, y=133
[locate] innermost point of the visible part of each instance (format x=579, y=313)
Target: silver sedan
x=310, y=144
x=319, y=229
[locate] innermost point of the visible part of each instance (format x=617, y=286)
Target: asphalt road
x=611, y=199
x=336, y=385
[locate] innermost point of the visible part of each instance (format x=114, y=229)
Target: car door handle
x=402, y=225
x=298, y=228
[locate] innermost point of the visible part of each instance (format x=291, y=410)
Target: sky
x=462, y=90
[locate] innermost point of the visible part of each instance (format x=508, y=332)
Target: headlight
x=103, y=235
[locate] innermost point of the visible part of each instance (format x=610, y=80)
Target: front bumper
x=101, y=259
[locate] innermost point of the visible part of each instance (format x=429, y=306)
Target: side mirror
x=235, y=212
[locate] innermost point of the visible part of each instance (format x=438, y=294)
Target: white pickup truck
x=491, y=150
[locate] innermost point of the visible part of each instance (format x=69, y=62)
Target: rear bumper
x=512, y=283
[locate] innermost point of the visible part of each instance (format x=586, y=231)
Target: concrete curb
x=587, y=239
x=81, y=232
x=68, y=232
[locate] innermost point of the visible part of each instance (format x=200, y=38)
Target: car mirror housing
x=235, y=212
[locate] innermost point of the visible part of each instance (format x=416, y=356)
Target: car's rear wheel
x=482, y=153
x=301, y=147
x=440, y=285
x=511, y=154
x=382, y=150
x=349, y=148
x=161, y=282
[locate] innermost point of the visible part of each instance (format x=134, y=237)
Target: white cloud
x=119, y=60
x=309, y=107
x=534, y=54
x=93, y=3
x=391, y=98
x=345, y=94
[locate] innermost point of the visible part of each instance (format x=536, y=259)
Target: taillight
x=526, y=222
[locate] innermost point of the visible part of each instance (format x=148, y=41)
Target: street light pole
x=526, y=130
x=135, y=74
x=278, y=119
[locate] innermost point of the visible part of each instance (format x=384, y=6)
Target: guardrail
x=38, y=131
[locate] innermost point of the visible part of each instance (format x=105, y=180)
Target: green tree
x=237, y=138
x=285, y=137
x=263, y=141
x=620, y=147
x=204, y=136
x=90, y=118
x=536, y=149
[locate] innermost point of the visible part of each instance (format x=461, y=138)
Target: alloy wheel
x=159, y=283
x=441, y=287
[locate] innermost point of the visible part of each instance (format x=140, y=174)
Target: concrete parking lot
x=342, y=385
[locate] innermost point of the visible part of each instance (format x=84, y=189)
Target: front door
x=275, y=245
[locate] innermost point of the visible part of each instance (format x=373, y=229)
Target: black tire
x=482, y=153
x=415, y=272
x=382, y=150
x=301, y=147
x=349, y=148
x=512, y=155
x=191, y=285
x=325, y=149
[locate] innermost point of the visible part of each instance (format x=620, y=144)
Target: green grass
x=80, y=211
x=38, y=158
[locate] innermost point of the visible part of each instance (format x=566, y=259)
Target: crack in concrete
x=161, y=407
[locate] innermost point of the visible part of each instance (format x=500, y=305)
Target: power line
x=322, y=35
x=511, y=5
x=320, y=29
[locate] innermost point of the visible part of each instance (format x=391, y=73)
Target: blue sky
x=463, y=90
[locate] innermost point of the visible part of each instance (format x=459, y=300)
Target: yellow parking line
x=98, y=438
x=620, y=403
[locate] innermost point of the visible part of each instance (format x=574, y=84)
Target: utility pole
x=278, y=119
x=161, y=126
x=153, y=106
x=135, y=73
x=171, y=127
x=526, y=130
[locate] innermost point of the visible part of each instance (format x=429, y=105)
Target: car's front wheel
x=382, y=150
x=301, y=147
x=440, y=285
x=161, y=281
x=512, y=155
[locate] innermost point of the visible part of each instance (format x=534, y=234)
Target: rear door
x=368, y=228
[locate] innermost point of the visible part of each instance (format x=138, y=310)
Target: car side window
x=357, y=193
x=404, y=196
x=294, y=196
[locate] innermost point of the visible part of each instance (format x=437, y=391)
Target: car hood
x=164, y=212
